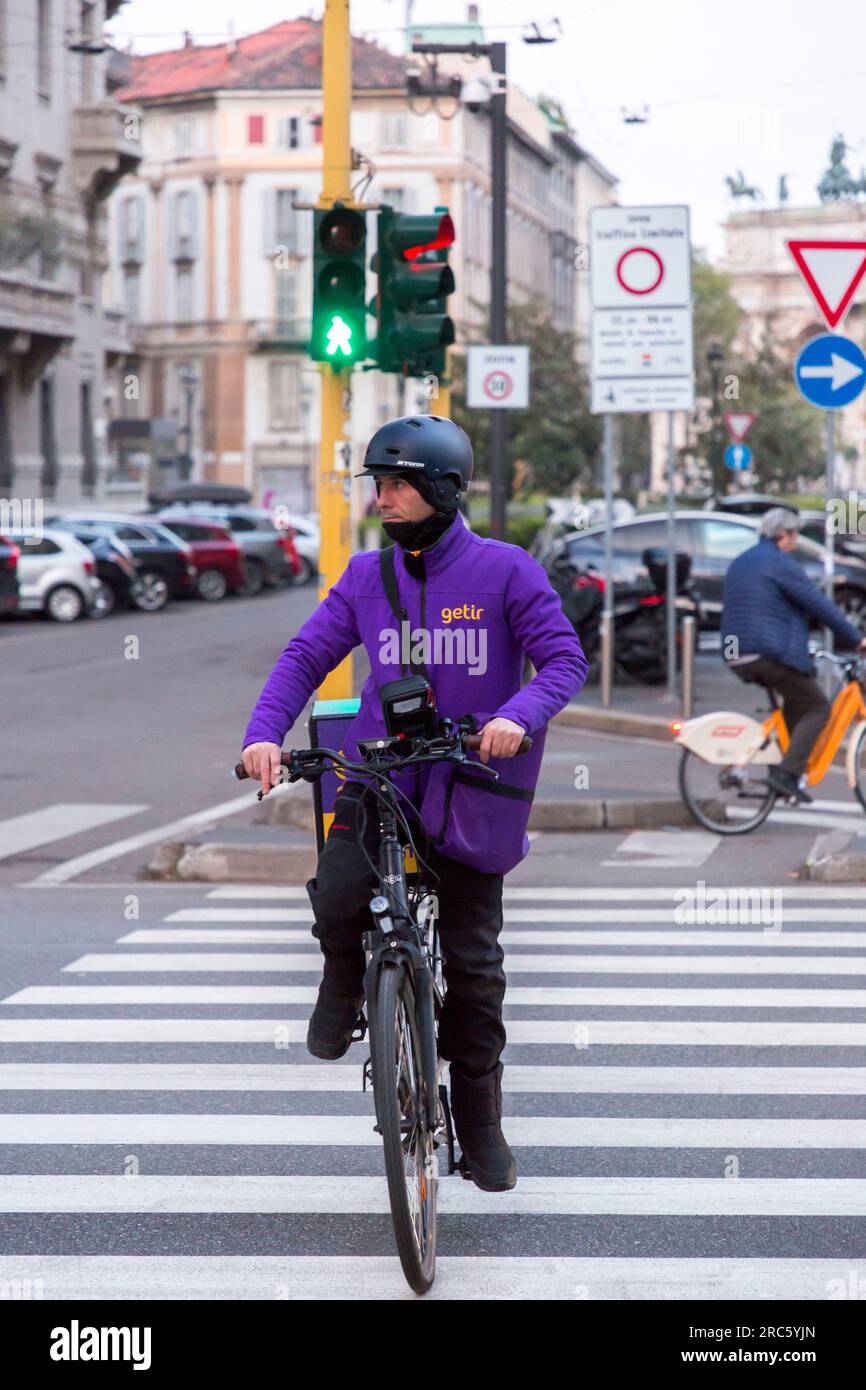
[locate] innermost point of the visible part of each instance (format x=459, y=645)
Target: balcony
x=274, y=335
x=36, y=319
x=115, y=332
x=106, y=144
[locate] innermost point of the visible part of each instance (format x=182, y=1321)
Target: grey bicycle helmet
x=426, y=445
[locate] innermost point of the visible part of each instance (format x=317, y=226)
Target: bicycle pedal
x=367, y=1074
x=359, y=1032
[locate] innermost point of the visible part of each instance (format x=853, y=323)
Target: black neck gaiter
x=419, y=535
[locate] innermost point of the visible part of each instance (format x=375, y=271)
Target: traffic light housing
x=414, y=281
x=339, y=331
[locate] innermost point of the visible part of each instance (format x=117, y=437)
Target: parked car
x=267, y=550
x=307, y=540
x=812, y=521
x=9, y=553
x=56, y=574
x=713, y=540
x=115, y=570
x=743, y=503
x=217, y=557
x=164, y=562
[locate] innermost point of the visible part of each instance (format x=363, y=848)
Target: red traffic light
x=442, y=237
x=342, y=232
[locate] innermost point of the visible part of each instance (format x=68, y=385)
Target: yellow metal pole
x=335, y=483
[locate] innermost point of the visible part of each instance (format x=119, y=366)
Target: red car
x=215, y=554
x=9, y=553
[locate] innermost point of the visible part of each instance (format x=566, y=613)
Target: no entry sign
x=498, y=378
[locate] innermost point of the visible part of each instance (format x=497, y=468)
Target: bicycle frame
x=848, y=708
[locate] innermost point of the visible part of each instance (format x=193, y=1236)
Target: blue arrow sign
x=738, y=457
x=830, y=371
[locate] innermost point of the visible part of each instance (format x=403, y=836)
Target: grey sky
x=760, y=85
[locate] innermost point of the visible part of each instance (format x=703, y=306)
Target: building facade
x=210, y=258
x=65, y=141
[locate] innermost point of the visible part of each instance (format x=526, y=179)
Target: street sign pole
x=672, y=568
x=829, y=556
x=607, y=643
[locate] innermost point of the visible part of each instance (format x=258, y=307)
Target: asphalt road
x=685, y=1098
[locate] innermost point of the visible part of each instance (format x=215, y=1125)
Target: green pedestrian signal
x=414, y=281
x=339, y=286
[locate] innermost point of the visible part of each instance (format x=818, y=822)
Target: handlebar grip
x=475, y=740
x=242, y=774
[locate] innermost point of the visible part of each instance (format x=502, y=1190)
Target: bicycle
x=720, y=750
x=404, y=990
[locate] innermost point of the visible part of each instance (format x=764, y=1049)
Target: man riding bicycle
x=768, y=602
x=489, y=606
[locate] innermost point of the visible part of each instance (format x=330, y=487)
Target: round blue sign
x=738, y=457
x=830, y=371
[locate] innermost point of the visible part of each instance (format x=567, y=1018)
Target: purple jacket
x=485, y=605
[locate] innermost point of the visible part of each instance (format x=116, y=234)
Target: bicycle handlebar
x=851, y=659
x=431, y=750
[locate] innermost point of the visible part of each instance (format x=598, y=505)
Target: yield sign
x=832, y=271
x=738, y=423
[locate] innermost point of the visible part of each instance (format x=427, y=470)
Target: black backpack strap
x=388, y=571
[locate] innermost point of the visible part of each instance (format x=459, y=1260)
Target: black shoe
x=332, y=1024
x=786, y=784
x=476, y=1105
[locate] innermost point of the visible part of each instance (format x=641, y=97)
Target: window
x=30, y=546
x=184, y=226
x=724, y=541
x=395, y=198
x=183, y=136
x=635, y=539
x=88, y=34
x=88, y=444
x=291, y=132
x=394, y=130
x=131, y=296
x=255, y=130
x=286, y=297
x=285, y=219
x=131, y=533
x=43, y=48
x=131, y=229
x=183, y=292
x=283, y=393
x=241, y=523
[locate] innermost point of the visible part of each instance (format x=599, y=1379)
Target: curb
x=607, y=721
x=837, y=868
x=278, y=861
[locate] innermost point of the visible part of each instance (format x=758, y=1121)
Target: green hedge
x=521, y=530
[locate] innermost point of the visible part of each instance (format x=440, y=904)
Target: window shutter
x=192, y=226
x=172, y=227
x=141, y=225
x=255, y=130
x=269, y=197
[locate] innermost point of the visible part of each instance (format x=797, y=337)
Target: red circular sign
x=644, y=275
x=498, y=385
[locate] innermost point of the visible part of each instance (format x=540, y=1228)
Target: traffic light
x=339, y=333
x=414, y=281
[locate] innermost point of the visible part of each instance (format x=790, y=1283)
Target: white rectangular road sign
x=641, y=342
x=640, y=257
x=639, y=395
x=498, y=378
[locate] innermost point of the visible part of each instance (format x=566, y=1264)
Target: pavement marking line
x=537, y=1079
x=568, y=892
x=22, y=833
x=62, y=873
x=357, y=1131
x=533, y=1196
x=575, y=1034
x=678, y=936
x=597, y=996
x=352, y=1277
x=685, y=849
x=742, y=903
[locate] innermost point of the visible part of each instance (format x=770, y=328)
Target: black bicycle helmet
x=421, y=444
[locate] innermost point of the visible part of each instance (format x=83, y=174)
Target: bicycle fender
x=728, y=739
x=427, y=1029
x=850, y=756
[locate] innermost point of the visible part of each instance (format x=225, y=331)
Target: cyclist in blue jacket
x=768, y=603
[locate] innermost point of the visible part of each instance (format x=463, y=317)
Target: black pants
x=806, y=708
x=471, y=1032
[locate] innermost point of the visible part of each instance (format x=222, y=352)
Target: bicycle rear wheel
x=410, y=1157
x=726, y=800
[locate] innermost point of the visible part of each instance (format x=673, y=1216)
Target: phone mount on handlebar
x=409, y=707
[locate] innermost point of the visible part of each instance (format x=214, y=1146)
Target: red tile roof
x=288, y=54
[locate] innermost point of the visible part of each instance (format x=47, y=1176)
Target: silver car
x=56, y=574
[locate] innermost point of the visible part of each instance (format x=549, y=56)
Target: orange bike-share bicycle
x=720, y=772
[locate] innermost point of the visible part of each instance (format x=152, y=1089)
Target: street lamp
x=189, y=379
x=715, y=358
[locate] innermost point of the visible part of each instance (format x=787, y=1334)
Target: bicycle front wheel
x=726, y=800
x=410, y=1156
x=860, y=768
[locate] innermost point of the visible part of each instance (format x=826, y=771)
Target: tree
x=786, y=437
x=556, y=435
